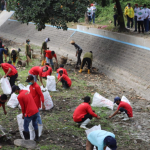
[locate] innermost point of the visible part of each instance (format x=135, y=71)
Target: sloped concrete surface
x=127, y=64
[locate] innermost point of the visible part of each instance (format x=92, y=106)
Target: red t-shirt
x=27, y=103
x=66, y=78
x=127, y=107
x=49, y=54
x=48, y=72
x=37, y=70
x=6, y=66
x=81, y=111
x=64, y=72
x=37, y=94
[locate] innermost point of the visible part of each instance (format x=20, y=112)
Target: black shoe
x=36, y=136
x=135, y=31
x=26, y=135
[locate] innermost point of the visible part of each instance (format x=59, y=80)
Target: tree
x=120, y=16
x=54, y=12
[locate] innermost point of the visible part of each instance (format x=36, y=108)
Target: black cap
x=30, y=78
x=14, y=88
x=110, y=142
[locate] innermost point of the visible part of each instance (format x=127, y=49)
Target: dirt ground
x=61, y=133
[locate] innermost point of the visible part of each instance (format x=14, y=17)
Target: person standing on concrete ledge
x=87, y=58
x=101, y=139
x=84, y=113
x=28, y=51
x=123, y=108
x=140, y=19
x=78, y=52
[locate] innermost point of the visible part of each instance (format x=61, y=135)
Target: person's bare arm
x=5, y=57
x=105, y=147
x=116, y=112
x=9, y=70
x=3, y=105
x=56, y=60
x=41, y=81
x=59, y=80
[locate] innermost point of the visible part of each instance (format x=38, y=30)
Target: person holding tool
x=78, y=52
x=3, y=51
x=28, y=51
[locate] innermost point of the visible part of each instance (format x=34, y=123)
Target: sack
x=21, y=128
x=5, y=85
x=13, y=101
x=47, y=101
x=100, y=101
x=124, y=99
x=51, y=83
x=22, y=87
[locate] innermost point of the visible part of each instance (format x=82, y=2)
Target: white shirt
x=149, y=13
x=89, y=11
x=141, y=15
x=136, y=10
x=93, y=9
x=146, y=12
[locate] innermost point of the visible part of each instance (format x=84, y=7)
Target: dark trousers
x=14, y=58
x=115, y=19
x=88, y=60
x=2, y=7
x=12, y=79
x=123, y=110
x=140, y=25
x=1, y=59
x=79, y=58
x=128, y=22
x=64, y=83
x=90, y=19
x=146, y=25
x=135, y=19
x=87, y=116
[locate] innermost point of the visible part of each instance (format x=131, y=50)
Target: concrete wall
x=127, y=64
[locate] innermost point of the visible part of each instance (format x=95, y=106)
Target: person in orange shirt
x=49, y=57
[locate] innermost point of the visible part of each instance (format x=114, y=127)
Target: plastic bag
x=21, y=128
x=5, y=85
x=47, y=101
x=13, y=101
x=22, y=87
x=51, y=83
x=124, y=99
x=100, y=101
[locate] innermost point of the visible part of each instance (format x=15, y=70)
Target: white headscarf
x=46, y=40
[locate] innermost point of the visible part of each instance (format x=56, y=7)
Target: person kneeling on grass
x=3, y=99
x=61, y=67
x=84, y=113
x=66, y=81
x=101, y=139
x=123, y=108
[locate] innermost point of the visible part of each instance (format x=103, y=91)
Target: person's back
x=27, y=103
x=35, y=70
x=66, y=78
x=88, y=55
x=64, y=72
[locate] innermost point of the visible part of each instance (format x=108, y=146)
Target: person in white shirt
x=136, y=9
x=89, y=13
x=140, y=18
x=93, y=12
x=146, y=20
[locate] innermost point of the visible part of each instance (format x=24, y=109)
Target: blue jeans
x=146, y=25
x=34, y=76
x=93, y=17
x=27, y=120
x=39, y=121
x=50, y=61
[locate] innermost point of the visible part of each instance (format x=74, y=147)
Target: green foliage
x=57, y=13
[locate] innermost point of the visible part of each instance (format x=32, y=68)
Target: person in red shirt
x=10, y=71
x=123, y=108
x=66, y=81
x=3, y=99
x=48, y=72
x=37, y=70
x=37, y=95
x=29, y=111
x=61, y=67
x=49, y=57
x=84, y=113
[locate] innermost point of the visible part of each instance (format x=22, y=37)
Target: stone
x=25, y=143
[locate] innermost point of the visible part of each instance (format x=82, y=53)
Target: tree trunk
x=120, y=16
x=103, y=3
